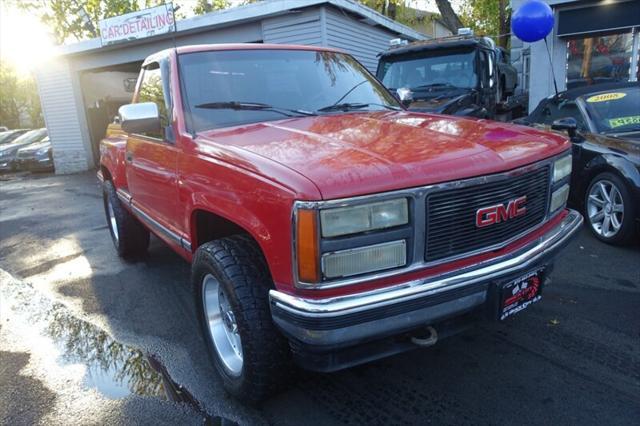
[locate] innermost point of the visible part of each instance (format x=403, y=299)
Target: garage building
x=83, y=87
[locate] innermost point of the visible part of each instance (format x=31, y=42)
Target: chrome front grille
x=451, y=229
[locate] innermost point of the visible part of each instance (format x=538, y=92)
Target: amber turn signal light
x=307, y=246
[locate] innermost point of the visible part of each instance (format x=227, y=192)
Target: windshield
x=438, y=68
x=617, y=111
x=9, y=136
x=228, y=88
x=31, y=136
x=5, y=136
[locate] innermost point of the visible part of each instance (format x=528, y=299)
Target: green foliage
x=206, y=6
x=397, y=10
x=386, y=7
x=488, y=17
x=18, y=96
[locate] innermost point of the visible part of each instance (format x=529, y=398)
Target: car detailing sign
x=137, y=25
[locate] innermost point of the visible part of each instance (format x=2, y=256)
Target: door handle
x=128, y=156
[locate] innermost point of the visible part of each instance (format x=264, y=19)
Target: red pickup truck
x=326, y=224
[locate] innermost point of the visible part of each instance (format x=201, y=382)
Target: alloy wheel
x=222, y=325
x=605, y=208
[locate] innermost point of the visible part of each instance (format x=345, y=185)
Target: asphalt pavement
x=86, y=338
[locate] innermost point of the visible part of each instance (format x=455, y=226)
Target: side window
x=570, y=109
x=554, y=111
x=151, y=90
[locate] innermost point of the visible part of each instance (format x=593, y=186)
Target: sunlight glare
x=24, y=40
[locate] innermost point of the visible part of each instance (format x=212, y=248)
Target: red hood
x=363, y=153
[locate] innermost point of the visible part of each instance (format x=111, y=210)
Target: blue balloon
x=532, y=21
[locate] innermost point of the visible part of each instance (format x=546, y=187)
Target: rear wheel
x=609, y=209
x=231, y=287
x=129, y=236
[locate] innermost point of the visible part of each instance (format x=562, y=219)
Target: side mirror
x=569, y=124
x=139, y=118
x=405, y=95
x=521, y=121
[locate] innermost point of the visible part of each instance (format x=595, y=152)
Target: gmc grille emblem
x=500, y=212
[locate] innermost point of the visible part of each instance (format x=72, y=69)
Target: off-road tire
x=132, y=239
x=239, y=266
x=627, y=231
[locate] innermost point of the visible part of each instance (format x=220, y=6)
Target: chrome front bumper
x=35, y=163
x=349, y=320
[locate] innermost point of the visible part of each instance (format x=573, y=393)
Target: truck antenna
x=553, y=73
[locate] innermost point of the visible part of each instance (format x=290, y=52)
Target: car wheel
x=609, y=209
x=231, y=287
x=129, y=236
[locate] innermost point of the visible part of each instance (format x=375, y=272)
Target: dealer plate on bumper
x=519, y=294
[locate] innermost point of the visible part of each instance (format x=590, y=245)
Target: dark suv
x=460, y=75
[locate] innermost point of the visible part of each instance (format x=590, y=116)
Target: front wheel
x=609, y=209
x=231, y=288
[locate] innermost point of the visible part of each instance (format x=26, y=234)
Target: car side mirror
x=569, y=124
x=139, y=118
x=522, y=121
x=405, y=95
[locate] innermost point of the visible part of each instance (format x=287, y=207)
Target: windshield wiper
x=255, y=106
x=434, y=85
x=350, y=106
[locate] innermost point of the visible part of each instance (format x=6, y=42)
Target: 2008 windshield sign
x=136, y=25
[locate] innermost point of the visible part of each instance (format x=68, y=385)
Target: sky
x=24, y=40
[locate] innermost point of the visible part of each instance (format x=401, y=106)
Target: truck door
x=488, y=81
x=152, y=157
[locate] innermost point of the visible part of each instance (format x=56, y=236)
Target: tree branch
x=449, y=16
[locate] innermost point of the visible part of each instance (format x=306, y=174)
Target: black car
x=603, y=122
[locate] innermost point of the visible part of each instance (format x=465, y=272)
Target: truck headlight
x=361, y=260
x=319, y=257
x=561, y=168
x=559, y=198
x=365, y=217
